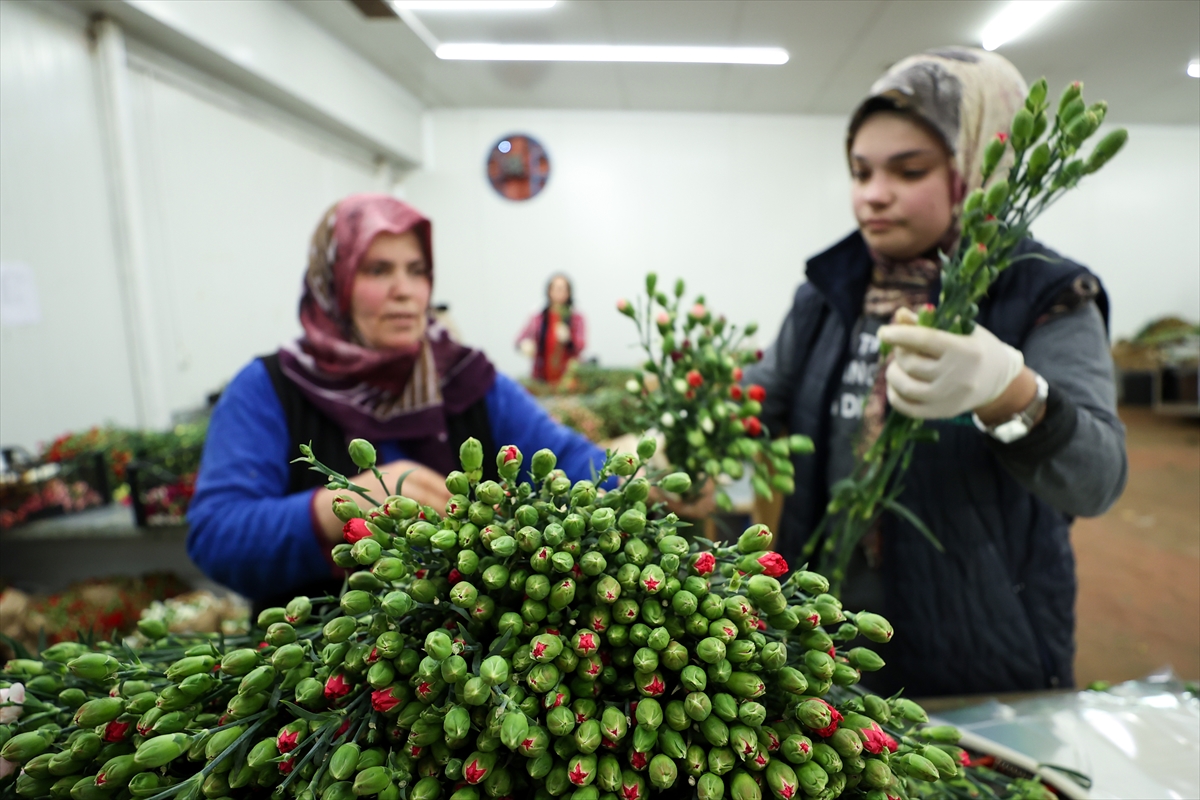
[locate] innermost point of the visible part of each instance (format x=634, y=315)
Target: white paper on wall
x=19, y=304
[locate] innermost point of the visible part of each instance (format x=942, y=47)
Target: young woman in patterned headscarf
x=374, y=364
x=995, y=612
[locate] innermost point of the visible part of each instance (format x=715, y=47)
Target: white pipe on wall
x=129, y=226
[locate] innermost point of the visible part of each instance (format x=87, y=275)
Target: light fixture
x=672, y=54
x=1016, y=18
x=1194, y=68
x=471, y=5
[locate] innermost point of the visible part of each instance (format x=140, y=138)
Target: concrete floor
x=1139, y=564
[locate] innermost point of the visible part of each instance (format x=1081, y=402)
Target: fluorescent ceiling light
x=1016, y=18
x=1194, y=68
x=612, y=52
x=471, y=5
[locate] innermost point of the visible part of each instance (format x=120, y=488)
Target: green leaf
x=303, y=713
x=400, y=480
x=912, y=519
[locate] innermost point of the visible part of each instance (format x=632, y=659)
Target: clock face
x=518, y=167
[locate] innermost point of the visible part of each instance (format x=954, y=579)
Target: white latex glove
x=939, y=375
x=528, y=348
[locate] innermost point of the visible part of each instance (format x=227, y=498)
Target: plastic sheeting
x=1140, y=739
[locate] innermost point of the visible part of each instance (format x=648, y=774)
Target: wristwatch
x=1020, y=424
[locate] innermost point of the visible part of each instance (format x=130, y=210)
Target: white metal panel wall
x=233, y=191
x=71, y=370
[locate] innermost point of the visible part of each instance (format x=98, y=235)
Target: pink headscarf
x=402, y=394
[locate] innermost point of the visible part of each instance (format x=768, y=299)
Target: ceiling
x=1131, y=52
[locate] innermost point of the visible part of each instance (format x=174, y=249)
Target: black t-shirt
x=863, y=586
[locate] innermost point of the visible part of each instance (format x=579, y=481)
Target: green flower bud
x=974, y=201
x=362, y=453
x=543, y=464
x=160, y=750
x=755, y=539
x=907, y=709
x=711, y=650
x=93, y=667
x=613, y=724
x=996, y=195
x=714, y=729
x=812, y=778
x=797, y=749
x=676, y=483
x=782, y=780
x=919, y=767
x=99, y=711
x=710, y=787
x=190, y=666
x=874, y=627
x=508, y=461
x=117, y=772
x=438, y=645
x=1022, y=128
x=745, y=685
x=470, y=455
x=1108, y=147
x=992, y=155
x=945, y=765
x=493, y=670
x=876, y=775
x=663, y=772
x=744, y=787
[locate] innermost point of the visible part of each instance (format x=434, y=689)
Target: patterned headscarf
x=966, y=96
x=400, y=394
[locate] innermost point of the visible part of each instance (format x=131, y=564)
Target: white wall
x=232, y=195
x=231, y=187
x=72, y=369
x=732, y=203
x=736, y=204
x=1136, y=224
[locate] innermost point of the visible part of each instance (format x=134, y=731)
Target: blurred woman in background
x=554, y=337
x=1024, y=407
x=372, y=363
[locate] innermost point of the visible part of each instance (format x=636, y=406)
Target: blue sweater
x=247, y=533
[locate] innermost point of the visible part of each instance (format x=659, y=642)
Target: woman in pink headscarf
x=373, y=364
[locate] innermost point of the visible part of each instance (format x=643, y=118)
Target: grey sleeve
x=1075, y=459
x=774, y=373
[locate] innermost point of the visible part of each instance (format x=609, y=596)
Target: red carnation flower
x=875, y=740
x=384, y=700
x=116, y=731
x=773, y=564
x=336, y=687
x=355, y=530
x=756, y=393
x=735, y=392
x=287, y=741
x=752, y=425
x=694, y=378
x=705, y=563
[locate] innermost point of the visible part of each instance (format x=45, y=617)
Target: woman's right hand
x=423, y=484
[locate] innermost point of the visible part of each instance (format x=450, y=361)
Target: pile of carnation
x=536, y=638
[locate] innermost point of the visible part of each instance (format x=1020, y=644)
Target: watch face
x=1010, y=431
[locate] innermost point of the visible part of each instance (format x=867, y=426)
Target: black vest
x=996, y=611
x=306, y=424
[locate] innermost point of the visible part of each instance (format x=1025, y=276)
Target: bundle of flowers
x=535, y=637
x=175, y=452
x=24, y=502
x=102, y=608
x=691, y=392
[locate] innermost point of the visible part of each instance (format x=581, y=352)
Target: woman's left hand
x=939, y=375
